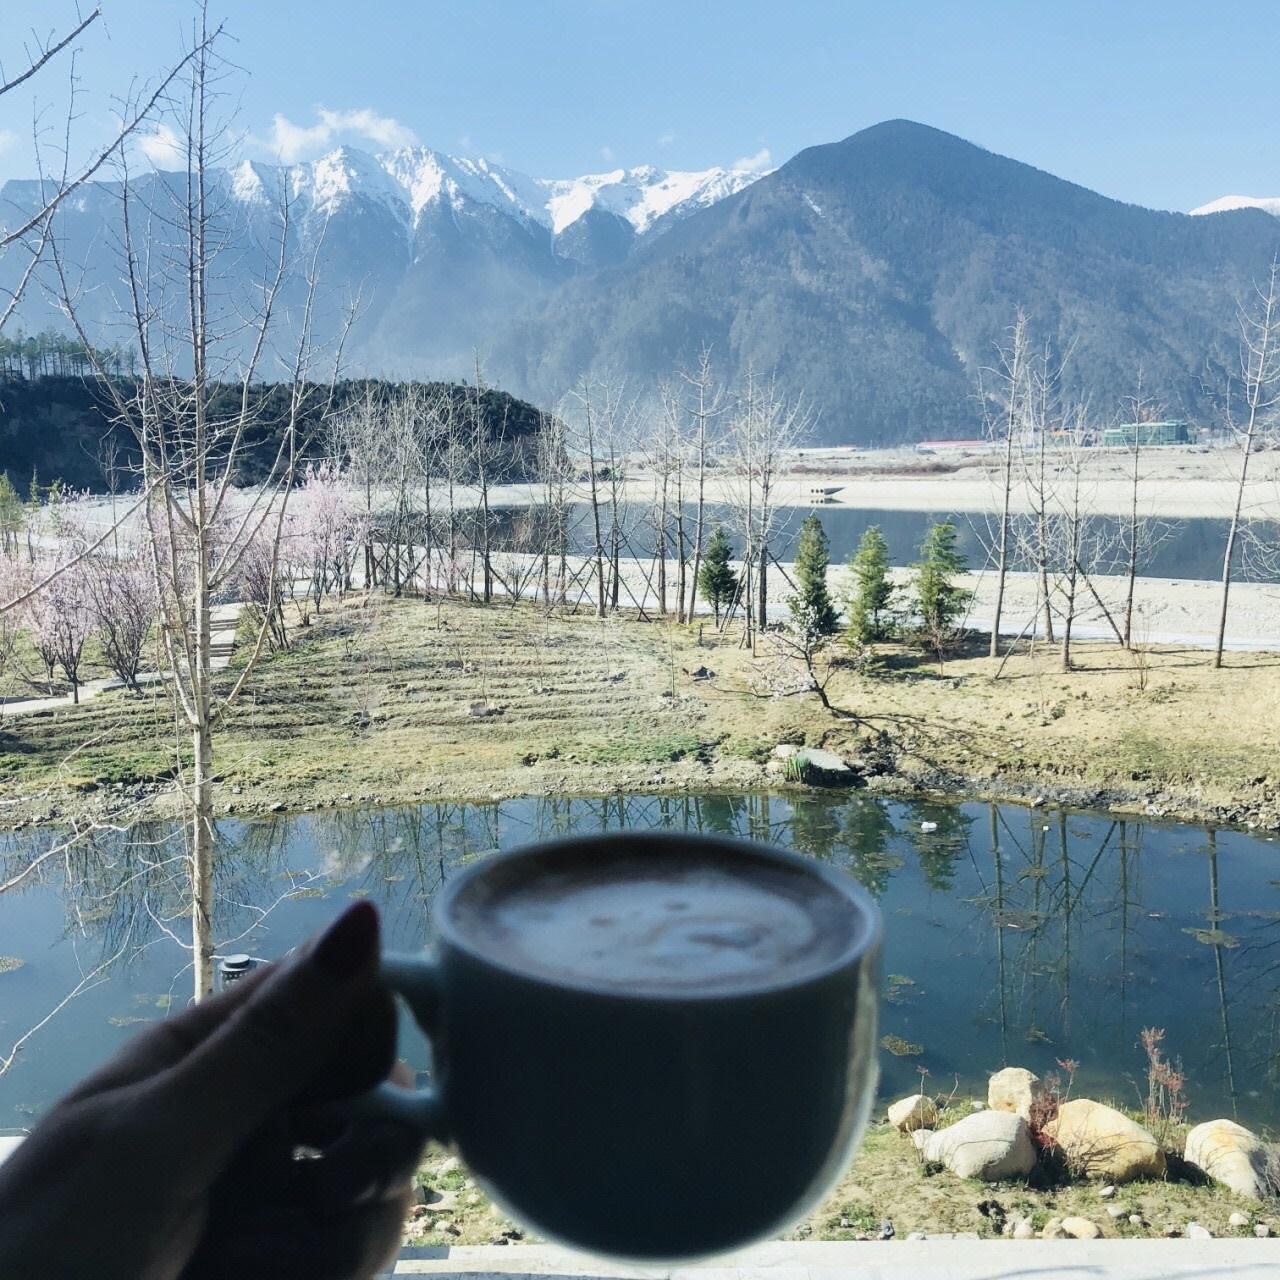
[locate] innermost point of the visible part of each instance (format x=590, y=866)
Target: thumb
x=266, y=1053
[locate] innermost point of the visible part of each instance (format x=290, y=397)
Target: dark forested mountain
x=875, y=275
x=62, y=428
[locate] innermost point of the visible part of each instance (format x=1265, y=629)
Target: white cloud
x=761, y=160
x=666, y=139
x=163, y=148
x=606, y=154
x=292, y=142
x=7, y=139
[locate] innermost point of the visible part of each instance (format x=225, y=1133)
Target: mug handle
x=416, y=979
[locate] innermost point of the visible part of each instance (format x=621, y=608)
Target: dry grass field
x=386, y=701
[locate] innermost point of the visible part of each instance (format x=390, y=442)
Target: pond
x=1014, y=936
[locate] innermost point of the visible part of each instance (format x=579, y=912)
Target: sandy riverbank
x=1178, y=483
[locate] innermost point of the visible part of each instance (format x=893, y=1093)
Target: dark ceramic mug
x=645, y=1123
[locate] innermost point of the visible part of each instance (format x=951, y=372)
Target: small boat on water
x=824, y=492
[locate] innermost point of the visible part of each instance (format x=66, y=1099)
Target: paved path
x=224, y=619
x=939, y=1259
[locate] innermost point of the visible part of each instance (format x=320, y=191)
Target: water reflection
x=1014, y=935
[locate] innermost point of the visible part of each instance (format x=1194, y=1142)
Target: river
x=1013, y=936
x=1185, y=549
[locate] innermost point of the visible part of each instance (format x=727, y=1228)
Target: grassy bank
x=889, y=1182
x=386, y=701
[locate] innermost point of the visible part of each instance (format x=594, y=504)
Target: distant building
x=950, y=446
x=1127, y=434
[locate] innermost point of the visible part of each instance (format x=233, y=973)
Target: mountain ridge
x=874, y=275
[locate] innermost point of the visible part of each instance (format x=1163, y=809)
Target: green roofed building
x=1128, y=434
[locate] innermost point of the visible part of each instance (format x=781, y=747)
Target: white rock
x=1261, y=1230
x=824, y=766
x=1117, y=1211
x=451, y=1165
x=921, y=1138
x=1100, y=1141
x=1024, y=1230
x=1135, y=1219
x=928, y=826
x=1232, y=1155
x=1014, y=1089
x=915, y=1112
x=1081, y=1228
x=1106, y=1192
x=1239, y=1219
x=987, y=1144
x=1194, y=1231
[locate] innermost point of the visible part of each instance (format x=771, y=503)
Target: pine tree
x=716, y=579
x=811, y=609
x=939, y=601
x=871, y=589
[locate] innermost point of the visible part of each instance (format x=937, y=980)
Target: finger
x=373, y=1161
x=167, y=1043
x=273, y=1044
x=348, y=1246
x=364, y=1055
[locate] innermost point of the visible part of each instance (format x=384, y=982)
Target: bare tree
x=355, y=439
x=484, y=442
x=1140, y=533
x=1256, y=423
x=762, y=428
x=1009, y=388
x=554, y=468
x=123, y=600
x=664, y=459
x=195, y=404
x=33, y=228
x=704, y=407
x=1076, y=546
x=584, y=406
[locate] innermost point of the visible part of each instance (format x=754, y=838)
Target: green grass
x=633, y=744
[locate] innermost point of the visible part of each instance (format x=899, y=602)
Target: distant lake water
x=1014, y=936
x=1192, y=548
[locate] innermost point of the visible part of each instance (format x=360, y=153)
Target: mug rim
x=866, y=933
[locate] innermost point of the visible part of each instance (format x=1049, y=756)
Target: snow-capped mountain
x=1224, y=204
x=440, y=251
x=413, y=179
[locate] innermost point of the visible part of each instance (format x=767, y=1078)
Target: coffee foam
x=704, y=922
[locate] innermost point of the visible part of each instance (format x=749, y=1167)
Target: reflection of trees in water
x=1059, y=902
x=128, y=892
x=939, y=849
x=868, y=833
x=1048, y=887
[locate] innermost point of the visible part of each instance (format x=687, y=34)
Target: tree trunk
x=202, y=862
x=762, y=587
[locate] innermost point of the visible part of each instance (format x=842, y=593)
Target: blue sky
x=1166, y=104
